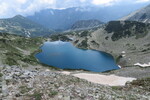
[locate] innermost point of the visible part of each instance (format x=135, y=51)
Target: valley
x=30, y=73
x=44, y=56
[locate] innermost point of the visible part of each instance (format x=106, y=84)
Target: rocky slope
x=86, y=24
x=127, y=41
x=22, y=26
x=142, y=15
x=23, y=78
x=37, y=83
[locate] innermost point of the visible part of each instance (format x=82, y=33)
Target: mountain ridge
x=85, y=24
x=22, y=26
x=141, y=15
x=63, y=19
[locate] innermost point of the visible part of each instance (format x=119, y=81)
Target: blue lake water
x=66, y=56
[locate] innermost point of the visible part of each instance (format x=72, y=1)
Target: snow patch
x=27, y=33
x=142, y=65
x=145, y=20
x=123, y=52
x=123, y=55
x=71, y=38
x=119, y=66
x=111, y=80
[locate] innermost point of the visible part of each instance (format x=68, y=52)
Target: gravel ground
x=136, y=72
x=37, y=83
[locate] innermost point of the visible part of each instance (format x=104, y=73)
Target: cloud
x=104, y=2
x=21, y=1
x=10, y=8
x=83, y=0
x=36, y=5
x=111, y=2
x=140, y=1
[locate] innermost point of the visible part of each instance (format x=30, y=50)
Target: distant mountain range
x=142, y=15
x=86, y=24
x=22, y=26
x=64, y=19
x=42, y=23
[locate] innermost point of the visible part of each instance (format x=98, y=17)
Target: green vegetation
x=127, y=29
x=37, y=96
x=11, y=61
x=60, y=37
x=15, y=49
x=8, y=81
x=84, y=33
x=54, y=38
x=24, y=89
x=95, y=43
x=1, y=74
x=73, y=80
x=142, y=83
x=146, y=50
x=22, y=26
x=145, y=83
x=53, y=93
x=76, y=41
x=116, y=87
x=117, y=58
x=83, y=44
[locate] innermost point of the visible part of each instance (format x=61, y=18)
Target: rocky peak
x=142, y=15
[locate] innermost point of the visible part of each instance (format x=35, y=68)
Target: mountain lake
x=65, y=55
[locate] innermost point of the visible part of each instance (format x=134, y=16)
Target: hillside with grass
x=20, y=25
x=18, y=50
x=127, y=41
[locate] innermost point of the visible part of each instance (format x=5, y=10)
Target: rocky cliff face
x=142, y=15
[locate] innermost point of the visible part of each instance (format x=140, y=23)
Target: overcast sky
x=9, y=8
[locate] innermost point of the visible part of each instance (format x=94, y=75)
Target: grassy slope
x=22, y=26
x=16, y=49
